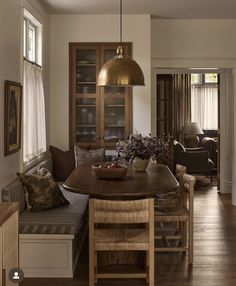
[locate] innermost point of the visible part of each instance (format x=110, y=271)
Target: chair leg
x=147, y=266
x=91, y=268
x=151, y=267
x=190, y=242
x=95, y=266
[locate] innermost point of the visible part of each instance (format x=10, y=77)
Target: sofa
x=50, y=241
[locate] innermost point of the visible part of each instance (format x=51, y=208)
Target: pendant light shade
x=121, y=70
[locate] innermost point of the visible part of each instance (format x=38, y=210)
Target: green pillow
x=41, y=191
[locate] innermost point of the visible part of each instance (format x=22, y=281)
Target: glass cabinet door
x=86, y=71
x=86, y=111
x=114, y=99
x=164, y=85
x=114, y=118
x=86, y=130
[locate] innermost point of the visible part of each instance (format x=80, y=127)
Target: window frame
x=202, y=79
x=27, y=24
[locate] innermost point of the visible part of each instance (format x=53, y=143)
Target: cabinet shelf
x=86, y=105
x=85, y=125
x=115, y=105
x=116, y=126
x=86, y=65
x=86, y=82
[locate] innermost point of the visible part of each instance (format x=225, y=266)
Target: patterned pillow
x=83, y=156
x=41, y=191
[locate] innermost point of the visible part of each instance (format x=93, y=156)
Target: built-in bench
x=50, y=241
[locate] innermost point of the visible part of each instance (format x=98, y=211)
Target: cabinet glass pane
x=85, y=71
x=109, y=53
x=114, y=118
x=85, y=134
x=114, y=133
x=85, y=119
x=86, y=56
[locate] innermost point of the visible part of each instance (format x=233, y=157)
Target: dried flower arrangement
x=148, y=147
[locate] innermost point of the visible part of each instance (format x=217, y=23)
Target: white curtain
x=204, y=106
x=34, y=132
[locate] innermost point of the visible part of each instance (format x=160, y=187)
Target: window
x=34, y=127
x=32, y=39
x=201, y=79
x=204, y=100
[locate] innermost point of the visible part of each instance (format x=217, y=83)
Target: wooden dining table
x=157, y=179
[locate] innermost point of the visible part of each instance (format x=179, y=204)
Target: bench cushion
x=63, y=220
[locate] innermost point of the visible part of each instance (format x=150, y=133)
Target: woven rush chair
x=133, y=229
x=169, y=232
x=180, y=216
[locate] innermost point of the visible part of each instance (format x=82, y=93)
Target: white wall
x=203, y=44
x=11, y=59
x=184, y=43
x=96, y=28
x=10, y=69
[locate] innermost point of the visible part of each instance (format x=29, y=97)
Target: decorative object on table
x=120, y=70
x=138, y=150
x=190, y=131
x=12, y=117
x=110, y=170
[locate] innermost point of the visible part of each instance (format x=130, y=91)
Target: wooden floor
x=214, y=251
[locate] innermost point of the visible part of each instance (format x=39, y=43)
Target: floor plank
x=214, y=251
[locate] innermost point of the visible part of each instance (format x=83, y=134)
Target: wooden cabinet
x=164, y=101
x=98, y=115
x=9, y=241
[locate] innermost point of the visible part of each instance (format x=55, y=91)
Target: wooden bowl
x=103, y=172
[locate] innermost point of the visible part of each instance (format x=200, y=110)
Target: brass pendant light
x=120, y=70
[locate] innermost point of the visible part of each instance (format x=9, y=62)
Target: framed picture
x=12, y=117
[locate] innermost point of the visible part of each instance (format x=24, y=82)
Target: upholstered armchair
x=195, y=160
x=210, y=145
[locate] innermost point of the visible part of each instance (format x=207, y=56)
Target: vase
x=140, y=164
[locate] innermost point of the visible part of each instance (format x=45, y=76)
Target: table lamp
x=190, y=131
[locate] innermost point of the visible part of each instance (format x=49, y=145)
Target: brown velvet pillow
x=63, y=163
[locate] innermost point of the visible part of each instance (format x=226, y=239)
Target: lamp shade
x=192, y=128
x=121, y=70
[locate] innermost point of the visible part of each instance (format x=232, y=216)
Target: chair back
x=121, y=212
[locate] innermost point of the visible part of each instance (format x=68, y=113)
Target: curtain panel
x=34, y=129
x=182, y=103
x=204, y=106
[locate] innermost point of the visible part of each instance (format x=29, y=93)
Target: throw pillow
x=41, y=191
x=63, y=163
x=83, y=156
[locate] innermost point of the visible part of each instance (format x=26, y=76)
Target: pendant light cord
x=121, y=22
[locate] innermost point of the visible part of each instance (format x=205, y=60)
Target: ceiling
x=176, y=9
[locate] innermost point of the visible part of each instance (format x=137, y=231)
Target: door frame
x=226, y=119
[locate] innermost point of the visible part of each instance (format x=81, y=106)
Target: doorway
x=225, y=134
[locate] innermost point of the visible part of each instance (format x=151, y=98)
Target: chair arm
x=194, y=149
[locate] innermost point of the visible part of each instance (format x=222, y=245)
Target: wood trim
x=7, y=210
x=3, y=277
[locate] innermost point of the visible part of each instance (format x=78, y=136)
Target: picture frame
x=12, y=117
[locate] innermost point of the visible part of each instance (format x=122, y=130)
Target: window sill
x=33, y=162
